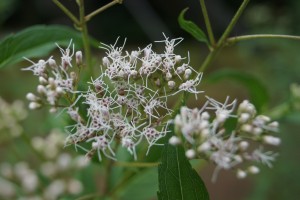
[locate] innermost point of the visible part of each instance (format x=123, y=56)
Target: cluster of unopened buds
x=204, y=133
x=10, y=116
x=126, y=104
x=21, y=180
x=55, y=80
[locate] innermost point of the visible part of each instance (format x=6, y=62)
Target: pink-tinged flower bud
x=78, y=56
x=41, y=89
x=179, y=70
x=52, y=63
x=187, y=73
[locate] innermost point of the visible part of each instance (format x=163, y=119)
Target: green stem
x=232, y=23
x=99, y=10
x=233, y=40
x=207, y=23
x=280, y=110
x=66, y=11
x=85, y=36
x=223, y=38
x=214, y=51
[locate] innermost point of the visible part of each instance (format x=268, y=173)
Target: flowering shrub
x=135, y=100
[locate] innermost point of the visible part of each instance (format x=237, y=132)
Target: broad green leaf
x=36, y=41
x=191, y=28
x=257, y=92
x=142, y=186
x=177, y=179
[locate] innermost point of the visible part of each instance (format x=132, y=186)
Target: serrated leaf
x=257, y=91
x=36, y=41
x=191, y=28
x=177, y=179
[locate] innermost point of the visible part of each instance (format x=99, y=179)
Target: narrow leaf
x=177, y=179
x=257, y=91
x=191, y=28
x=35, y=42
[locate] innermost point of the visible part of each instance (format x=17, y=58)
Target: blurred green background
x=274, y=63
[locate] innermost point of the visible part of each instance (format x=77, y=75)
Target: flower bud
x=31, y=97
x=253, y=169
x=177, y=58
x=174, y=140
x=78, y=56
x=59, y=90
x=206, y=146
x=34, y=105
x=187, y=73
x=271, y=140
x=241, y=174
x=190, y=154
x=105, y=61
x=42, y=80
x=171, y=84
x=52, y=63
x=243, y=145
x=168, y=76
x=41, y=89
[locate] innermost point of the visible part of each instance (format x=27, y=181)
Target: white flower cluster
x=205, y=135
x=126, y=104
x=55, y=80
x=24, y=182
x=10, y=116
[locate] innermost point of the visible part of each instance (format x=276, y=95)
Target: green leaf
x=142, y=186
x=36, y=41
x=257, y=91
x=177, y=179
x=191, y=28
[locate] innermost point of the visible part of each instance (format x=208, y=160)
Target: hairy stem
x=233, y=40
x=207, y=23
x=85, y=36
